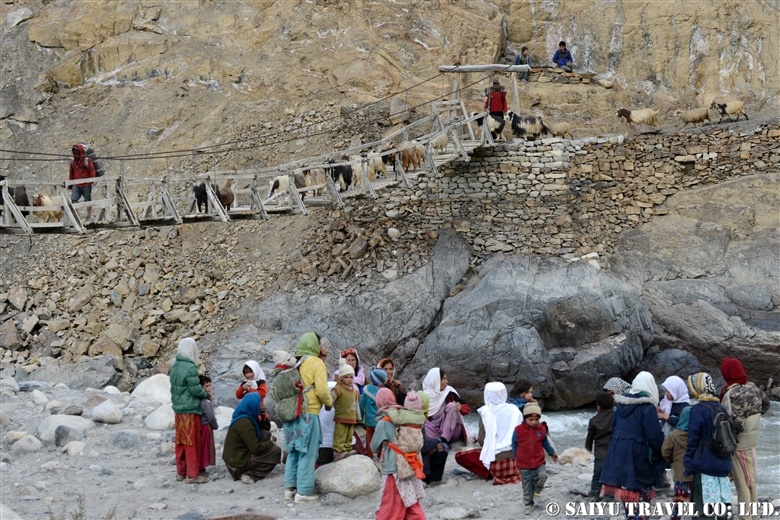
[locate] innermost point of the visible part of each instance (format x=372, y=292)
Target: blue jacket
x=368, y=405
x=634, y=458
x=698, y=457
x=562, y=58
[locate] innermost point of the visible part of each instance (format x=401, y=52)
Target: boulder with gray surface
x=352, y=477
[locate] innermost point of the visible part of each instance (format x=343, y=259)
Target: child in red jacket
x=529, y=442
x=254, y=381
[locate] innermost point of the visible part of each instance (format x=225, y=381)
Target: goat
x=559, y=129
x=19, y=195
x=409, y=157
x=225, y=195
x=315, y=177
x=201, y=198
x=376, y=165
x=282, y=183
x=495, y=125
x=696, y=116
x=730, y=108
x=342, y=174
x=646, y=116
x=440, y=142
x=528, y=127
x=54, y=215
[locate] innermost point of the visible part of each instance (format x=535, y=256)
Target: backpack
x=723, y=438
x=92, y=156
x=408, y=443
x=288, y=392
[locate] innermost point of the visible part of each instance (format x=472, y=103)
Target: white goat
x=697, y=116
x=730, y=108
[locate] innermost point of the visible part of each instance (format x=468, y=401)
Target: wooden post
x=400, y=169
x=515, y=96
x=215, y=203
x=166, y=198
x=431, y=162
x=364, y=174
x=10, y=207
x=459, y=146
x=295, y=197
x=123, y=202
x=71, y=213
x=257, y=201
x=334, y=192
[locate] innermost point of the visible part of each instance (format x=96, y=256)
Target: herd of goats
x=411, y=155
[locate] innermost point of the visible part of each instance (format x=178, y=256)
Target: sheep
x=696, y=116
x=282, y=183
x=529, y=127
x=376, y=165
x=409, y=157
x=646, y=116
x=495, y=125
x=440, y=142
x=420, y=151
x=730, y=108
x=225, y=195
x=559, y=129
x=201, y=198
x=41, y=199
x=315, y=177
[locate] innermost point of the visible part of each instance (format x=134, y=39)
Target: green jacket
x=385, y=431
x=241, y=442
x=186, y=391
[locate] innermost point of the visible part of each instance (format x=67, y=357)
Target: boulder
x=30, y=385
x=160, y=419
x=224, y=415
x=72, y=410
x=74, y=448
x=63, y=435
x=9, y=383
x=49, y=425
x=26, y=444
x=14, y=436
x=94, y=373
x=107, y=412
x=568, y=327
x=569, y=454
x=154, y=389
x=4, y=420
x=9, y=336
x=755, y=298
x=454, y=513
x=95, y=400
x=38, y=397
x=126, y=439
x=352, y=477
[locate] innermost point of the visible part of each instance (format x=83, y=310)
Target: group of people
x=562, y=59
x=633, y=437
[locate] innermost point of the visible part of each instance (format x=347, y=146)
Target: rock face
x=710, y=275
x=378, y=321
x=567, y=327
x=352, y=477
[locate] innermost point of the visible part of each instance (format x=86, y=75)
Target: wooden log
x=492, y=67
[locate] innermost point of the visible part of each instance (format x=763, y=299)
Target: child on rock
x=254, y=381
x=345, y=401
x=529, y=443
x=597, y=441
x=208, y=424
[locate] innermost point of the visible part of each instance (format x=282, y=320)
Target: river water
x=569, y=429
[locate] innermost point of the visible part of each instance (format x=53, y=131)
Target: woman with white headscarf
x=186, y=394
x=497, y=421
x=634, y=465
x=446, y=409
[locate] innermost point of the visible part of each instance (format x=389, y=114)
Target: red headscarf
x=733, y=372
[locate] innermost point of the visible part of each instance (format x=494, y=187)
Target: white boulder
x=161, y=419
x=9, y=383
x=74, y=448
x=352, y=477
x=155, y=389
x=39, y=397
x=26, y=444
x=49, y=424
x=112, y=390
x=107, y=412
x=14, y=436
x=224, y=415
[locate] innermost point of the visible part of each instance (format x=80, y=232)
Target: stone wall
x=559, y=196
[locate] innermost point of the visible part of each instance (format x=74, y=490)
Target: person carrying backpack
x=305, y=393
x=746, y=403
x=81, y=167
x=704, y=458
x=399, y=430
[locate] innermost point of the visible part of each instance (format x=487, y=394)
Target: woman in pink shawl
x=446, y=410
x=353, y=360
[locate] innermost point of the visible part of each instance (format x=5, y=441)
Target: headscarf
x=675, y=386
x=360, y=376
x=701, y=387
x=733, y=372
x=426, y=402
x=644, y=383
x=413, y=401
x=384, y=361
x=308, y=345
x=188, y=349
x=377, y=377
x=617, y=385
x=254, y=366
x=432, y=387
x=682, y=422
x=500, y=420
x=79, y=157
x=249, y=408
x=385, y=398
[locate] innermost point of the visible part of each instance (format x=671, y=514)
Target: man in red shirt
x=495, y=103
x=81, y=167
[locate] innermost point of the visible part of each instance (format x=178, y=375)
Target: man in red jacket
x=496, y=100
x=81, y=167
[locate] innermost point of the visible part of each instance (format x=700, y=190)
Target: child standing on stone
x=208, y=423
x=377, y=378
x=673, y=450
x=345, y=401
x=597, y=441
x=529, y=443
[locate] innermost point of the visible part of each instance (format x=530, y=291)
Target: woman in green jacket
x=186, y=394
x=250, y=453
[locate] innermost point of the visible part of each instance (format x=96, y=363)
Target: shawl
x=685, y=416
x=675, y=386
x=733, y=372
x=189, y=349
x=701, y=387
x=254, y=366
x=308, y=344
x=500, y=420
x=432, y=387
x=617, y=385
x=385, y=398
x=249, y=408
x=644, y=382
